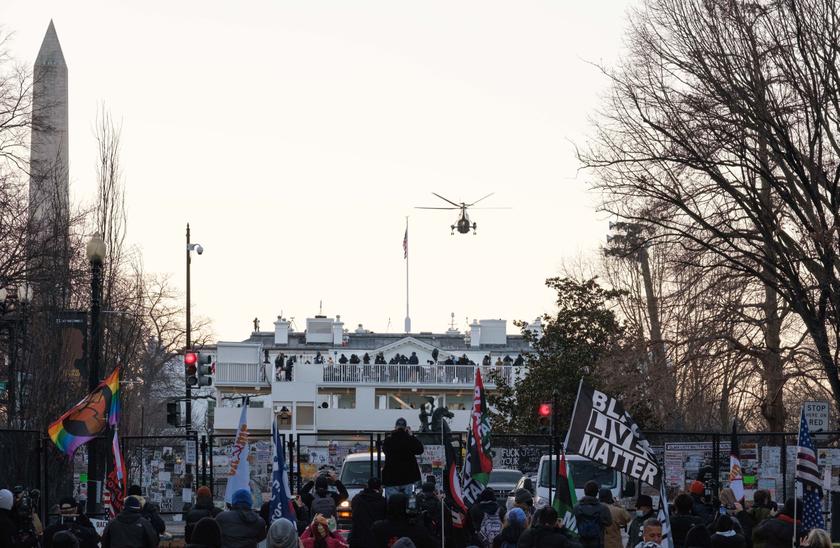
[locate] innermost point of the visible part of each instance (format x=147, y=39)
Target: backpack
x=589, y=529
x=323, y=505
x=491, y=526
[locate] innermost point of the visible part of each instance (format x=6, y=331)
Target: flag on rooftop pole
x=736, y=478
x=808, y=472
x=565, y=498
x=281, y=495
x=239, y=473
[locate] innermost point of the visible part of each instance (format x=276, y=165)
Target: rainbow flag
x=88, y=418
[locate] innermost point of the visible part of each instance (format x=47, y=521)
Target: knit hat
x=644, y=500
x=207, y=533
x=242, y=496
x=697, y=488
x=523, y=496
x=6, y=499
x=605, y=496
x=204, y=492
x=133, y=503
x=404, y=542
x=516, y=516
x=282, y=534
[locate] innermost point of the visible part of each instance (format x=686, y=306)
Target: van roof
x=363, y=456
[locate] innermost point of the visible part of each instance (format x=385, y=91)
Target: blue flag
x=281, y=496
x=239, y=473
x=808, y=472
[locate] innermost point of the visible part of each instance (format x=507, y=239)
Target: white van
x=582, y=470
x=354, y=475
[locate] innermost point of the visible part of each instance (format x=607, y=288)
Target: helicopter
x=463, y=224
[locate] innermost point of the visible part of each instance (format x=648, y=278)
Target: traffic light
x=544, y=417
x=190, y=368
x=173, y=413
x=205, y=369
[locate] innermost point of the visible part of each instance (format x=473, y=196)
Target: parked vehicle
x=502, y=480
x=355, y=473
x=582, y=470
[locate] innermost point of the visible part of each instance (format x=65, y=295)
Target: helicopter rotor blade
x=447, y=208
x=491, y=208
x=475, y=202
x=447, y=200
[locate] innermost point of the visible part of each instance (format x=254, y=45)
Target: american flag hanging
x=808, y=473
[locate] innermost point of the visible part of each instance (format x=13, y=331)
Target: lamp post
x=95, y=251
x=198, y=249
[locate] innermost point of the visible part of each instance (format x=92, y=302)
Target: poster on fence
x=689, y=461
x=526, y=459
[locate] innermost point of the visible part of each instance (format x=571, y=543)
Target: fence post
x=212, y=477
x=379, y=456
x=370, y=450
x=716, y=467
x=784, y=468
x=292, y=460
x=550, y=468
x=203, y=459
x=298, y=463
x=43, y=472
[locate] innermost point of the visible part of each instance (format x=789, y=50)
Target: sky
x=296, y=136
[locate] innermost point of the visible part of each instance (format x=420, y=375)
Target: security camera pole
x=188, y=346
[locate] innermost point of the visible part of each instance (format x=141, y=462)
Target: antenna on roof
x=452, y=321
x=321, y=307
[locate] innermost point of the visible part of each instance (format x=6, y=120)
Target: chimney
x=475, y=334
x=338, y=331
x=281, y=331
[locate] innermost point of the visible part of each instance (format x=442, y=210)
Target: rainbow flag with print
x=88, y=418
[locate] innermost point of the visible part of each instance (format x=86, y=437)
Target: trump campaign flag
x=281, y=495
x=239, y=473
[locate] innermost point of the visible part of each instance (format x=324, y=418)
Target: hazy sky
x=296, y=136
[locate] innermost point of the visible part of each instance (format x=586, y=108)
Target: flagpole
x=443, y=502
x=798, y=433
x=407, y=316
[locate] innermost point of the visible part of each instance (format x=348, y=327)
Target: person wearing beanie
x=697, y=491
x=515, y=524
x=282, y=534
x=203, y=508
x=130, y=529
x=318, y=535
x=326, y=486
x=368, y=507
x=241, y=526
x=777, y=532
x=400, y=471
x=620, y=519
x=7, y=522
x=148, y=510
x=644, y=511
x=682, y=519
x=206, y=533
x=69, y=520
x=726, y=536
x=64, y=539
x=524, y=499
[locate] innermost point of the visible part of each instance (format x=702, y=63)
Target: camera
x=199, y=249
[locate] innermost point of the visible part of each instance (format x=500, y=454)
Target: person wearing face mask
x=644, y=511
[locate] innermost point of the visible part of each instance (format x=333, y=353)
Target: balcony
x=459, y=375
x=240, y=374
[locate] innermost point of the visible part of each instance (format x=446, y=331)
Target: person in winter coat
x=682, y=520
x=322, y=490
x=644, y=511
x=206, y=533
x=203, y=508
x=396, y=525
x=592, y=517
x=548, y=533
x=698, y=537
x=762, y=509
x=400, y=471
x=282, y=534
x=149, y=510
x=68, y=521
x=726, y=537
x=7, y=522
x=130, y=529
x=700, y=508
x=241, y=526
x=368, y=507
x=318, y=535
x=777, y=532
x=515, y=524
x=487, y=517
x=620, y=519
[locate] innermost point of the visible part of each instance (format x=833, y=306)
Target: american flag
x=405, y=243
x=808, y=473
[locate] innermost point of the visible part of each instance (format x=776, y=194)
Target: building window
x=337, y=398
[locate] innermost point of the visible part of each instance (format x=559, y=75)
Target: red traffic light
x=544, y=410
x=190, y=359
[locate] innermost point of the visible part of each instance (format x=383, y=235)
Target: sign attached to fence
x=816, y=414
x=190, y=456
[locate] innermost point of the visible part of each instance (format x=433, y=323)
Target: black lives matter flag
x=602, y=431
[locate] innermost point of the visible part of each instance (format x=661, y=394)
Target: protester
x=548, y=533
x=730, y=507
x=762, y=509
x=620, y=519
x=329, y=493
x=86, y=535
x=206, y=533
x=7, y=522
x=487, y=517
x=149, y=510
x=651, y=534
x=203, y=508
x=515, y=524
x=777, y=532
x=524, y=499
x=592, y=517
x=368, y=507
x=396, y=525
x=282, y=534
x=700, y=508
x=817, y=538
x=429, y=506
x=725, y=536
x=241, y=526
x=682, y=520
x=400, y=471
x=130, y=529
x=698, y=537
x=318, y=535
x=644, y=511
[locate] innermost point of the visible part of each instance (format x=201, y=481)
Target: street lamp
x=198, y=249
x=95, y=251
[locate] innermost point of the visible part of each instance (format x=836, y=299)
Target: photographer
x=69, y=521
x=396, y=525
x=329, y=493
x=400, y=471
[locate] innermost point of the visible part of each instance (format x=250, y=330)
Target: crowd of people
x=393, y=513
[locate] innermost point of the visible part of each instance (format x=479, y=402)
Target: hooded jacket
x=368, y=508
x=401, y=450
x=203, y=508
x=485, y=506
x=509, y=535
x=129, y=530
x=590, y=508
x=241, y=527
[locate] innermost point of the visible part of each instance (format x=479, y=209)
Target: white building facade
x=329, y=380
